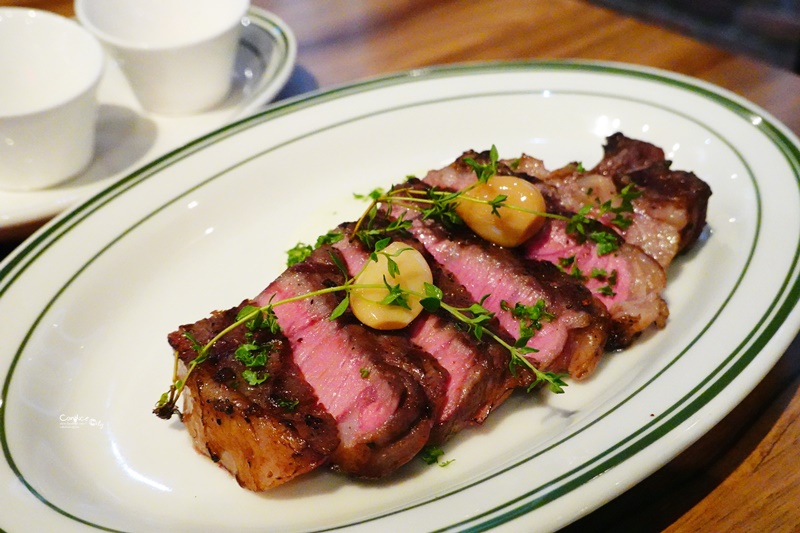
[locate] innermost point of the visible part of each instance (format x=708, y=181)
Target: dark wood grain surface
x=744, y=475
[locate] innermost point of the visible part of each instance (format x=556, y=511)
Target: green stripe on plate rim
x=705, y=391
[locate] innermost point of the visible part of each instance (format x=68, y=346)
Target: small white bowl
x=50, y=68
x=178, y=55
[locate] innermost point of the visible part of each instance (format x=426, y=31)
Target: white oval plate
x=88, y=300
x=128, y=137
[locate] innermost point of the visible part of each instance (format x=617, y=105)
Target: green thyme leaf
x=433, y=298
x=606, y=241
x=289, y=405
x=332, y=237
x=254, y=378
x=497, y=203
x=396, y=295
x=298, y=254
x=341, y=308
x=606, y=290
x=555, y=382
x=374, y=194
x=431, y=455
x=339, y=264
x=484, y=171
x=598, y=274
x=195, y=345
x=530, y=319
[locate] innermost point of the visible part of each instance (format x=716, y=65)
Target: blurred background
x=765, y=29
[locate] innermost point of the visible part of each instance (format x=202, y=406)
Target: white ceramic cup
x=49, y=71
x=178, y=55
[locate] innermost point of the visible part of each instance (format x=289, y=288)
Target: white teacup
x=50, y=68
x=178, y=55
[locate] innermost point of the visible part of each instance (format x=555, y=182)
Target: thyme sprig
x=248, y=352
x=484, y=171
x=255, y=318
x=432, y=455
x=475, y=317
x=440, y=205
x=619, y=210
x=435, y=204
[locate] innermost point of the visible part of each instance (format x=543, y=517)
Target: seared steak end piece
x=669, y=192
x=264, y=434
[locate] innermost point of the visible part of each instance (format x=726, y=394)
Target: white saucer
x=128, y=137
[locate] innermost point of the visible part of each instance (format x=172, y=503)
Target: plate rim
x=772, y=128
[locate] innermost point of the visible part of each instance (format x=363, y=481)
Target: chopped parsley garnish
x=289, y=405
x=298, y=254
x=431, y=455
x=301, y=251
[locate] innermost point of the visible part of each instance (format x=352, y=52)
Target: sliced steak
x=264, y=435
x=479, y=379
x=628, y=281
x=672, y=203
x=382, y=391
x=572, y=341
x=365, y=402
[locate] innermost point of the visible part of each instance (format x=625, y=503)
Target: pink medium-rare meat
x=627, y=281
x=570, y=341
x=264, y=435
x=478, y=375
x=383, y=393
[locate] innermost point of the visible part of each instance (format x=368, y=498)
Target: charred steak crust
x=622, y=155
x=681, y=190
x=264, y=435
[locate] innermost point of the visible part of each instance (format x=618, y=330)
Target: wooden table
x=744, y=474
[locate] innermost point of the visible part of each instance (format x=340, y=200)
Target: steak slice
x=265, y=435
x=668, y=216
x=572, y=341
x=478, y=375
x=673, y=203
x=628, y=281
x=382, y=391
